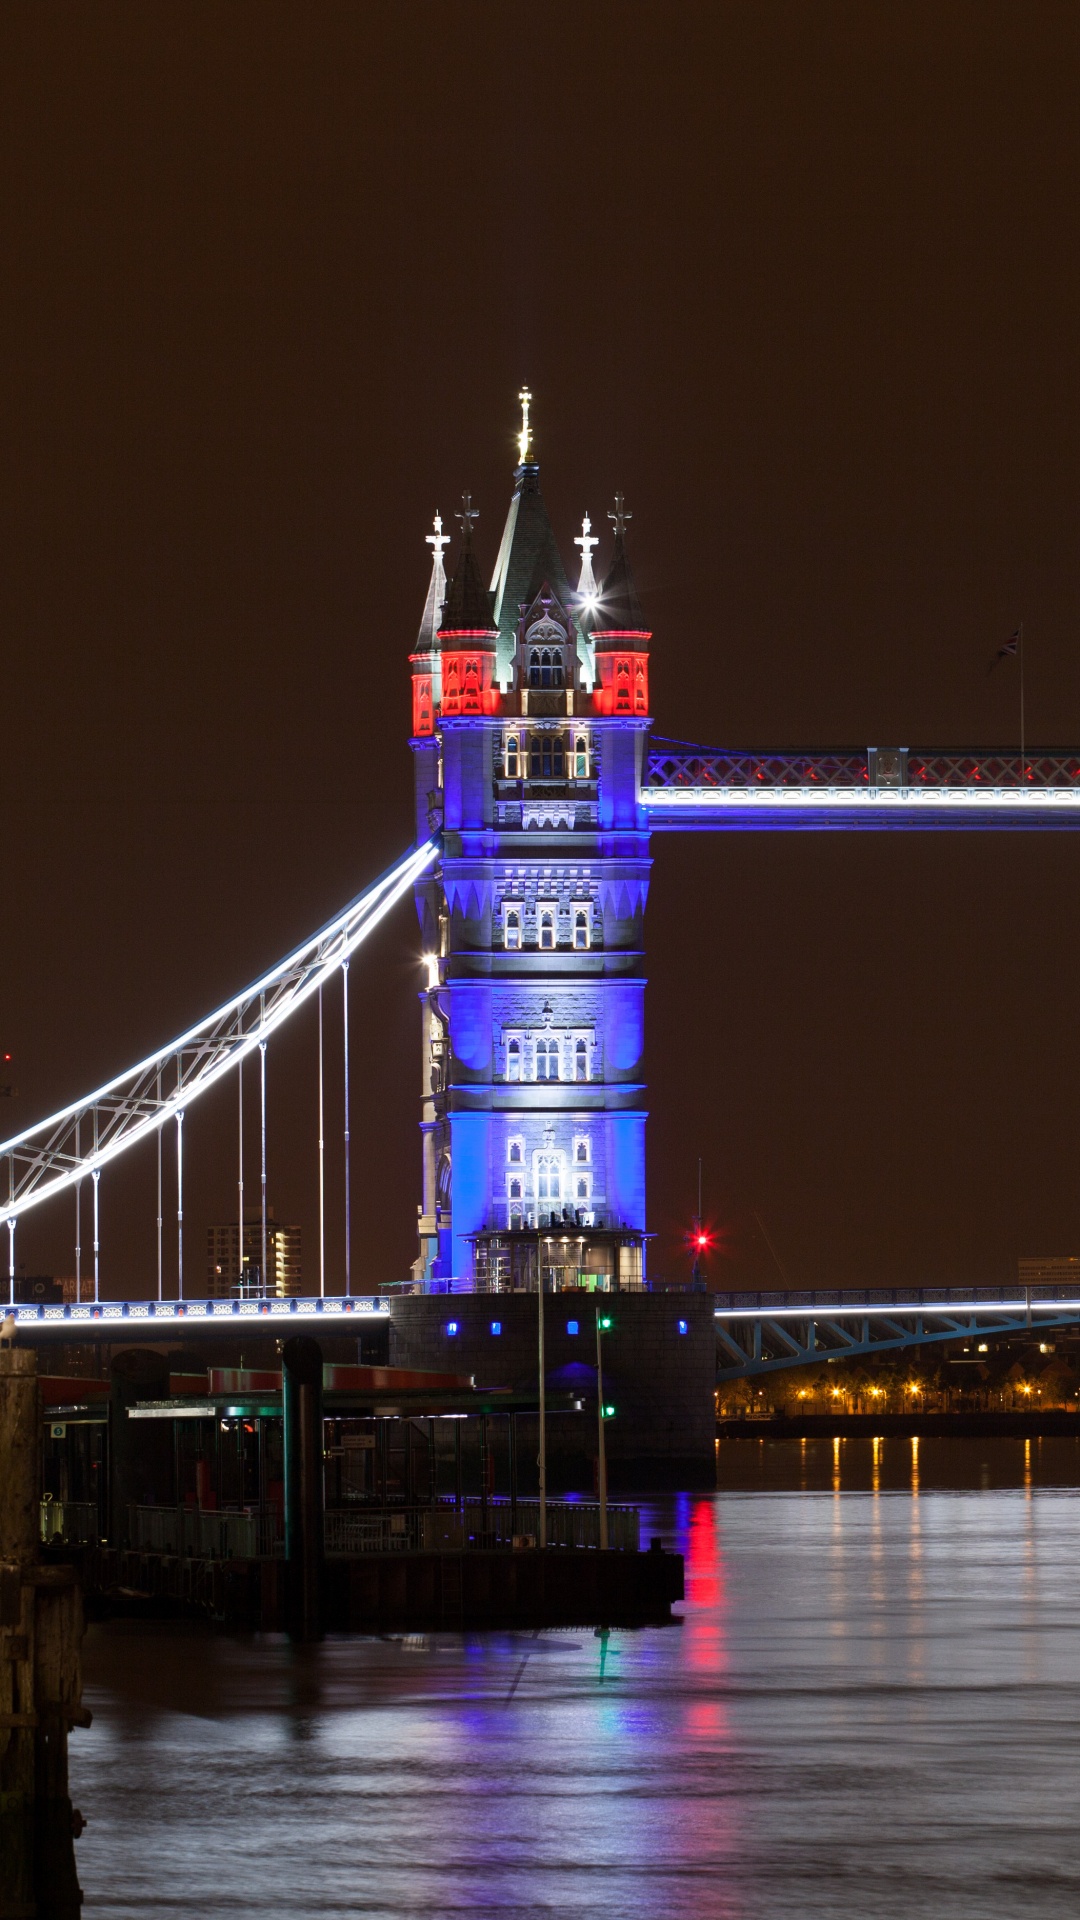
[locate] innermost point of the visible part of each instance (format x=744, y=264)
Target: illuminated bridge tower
x=530, y=716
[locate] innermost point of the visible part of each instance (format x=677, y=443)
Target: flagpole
x=1023, y=755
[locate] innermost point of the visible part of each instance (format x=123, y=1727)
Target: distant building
x=38, y=1289
x=1052, y=1270
x=232, y=1271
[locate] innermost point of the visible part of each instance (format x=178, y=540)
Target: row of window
x=552, y=1183
x=581, y=932
x=515, y=1151
x=546, y=667
x=544, y=1059
x=548, y=756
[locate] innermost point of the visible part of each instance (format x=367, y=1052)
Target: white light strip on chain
x=44, y=1150
x=861, y=799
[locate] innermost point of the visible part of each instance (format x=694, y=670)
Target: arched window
x=513, y=1060
x=546, y=667
x=514, y=1155
x=548, y=1178
x=581, y=928
x=547, y=756
x=581, y=1061
x=512, y=757
x=515, y=1189
x=515, y=1219
x=581, y=758
x=581, y=1152
x=547, y=929
x=512, y=928
x=583, y=1189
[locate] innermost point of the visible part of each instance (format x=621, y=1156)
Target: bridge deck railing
x=884, y=1299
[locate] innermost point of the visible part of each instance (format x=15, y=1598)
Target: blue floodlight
x=571, y=1326
x=451, y=1327
x=496, y=1326
x=684, y=1326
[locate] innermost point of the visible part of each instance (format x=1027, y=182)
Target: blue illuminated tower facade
x=530, y=717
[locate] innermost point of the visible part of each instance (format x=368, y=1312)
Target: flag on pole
x=1008, y=651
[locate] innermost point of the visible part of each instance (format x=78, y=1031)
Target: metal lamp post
x=602, y=1324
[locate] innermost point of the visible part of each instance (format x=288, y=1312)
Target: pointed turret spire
x=427, y=639
x=529, y=559
x=586, y=540
x=619, y=609
x=468, y=606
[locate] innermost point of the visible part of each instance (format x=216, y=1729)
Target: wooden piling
x=41, y=1630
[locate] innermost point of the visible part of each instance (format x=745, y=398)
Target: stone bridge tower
x=530, y=716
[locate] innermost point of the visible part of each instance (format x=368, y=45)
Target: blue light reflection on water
x=869, y=1710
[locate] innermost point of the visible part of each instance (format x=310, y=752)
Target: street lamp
x=603, y=1325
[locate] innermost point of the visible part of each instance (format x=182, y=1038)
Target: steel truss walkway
x=765, y=1333
x=691, y=788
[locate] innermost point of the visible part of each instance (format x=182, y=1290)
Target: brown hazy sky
x=802, y=280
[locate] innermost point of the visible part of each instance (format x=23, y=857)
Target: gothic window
x=547, y=1060
x=548, y=1177
x=512, y=757
x=513, y=1060
x=512, y=928
x=581, y=1152
x=547, y=756
x=581, y=758
x=547, y=928
x=515, y=1189
x=515, y=1219
x=513, y=1152
x=545, y=667
x=581, y=1061
x=582, y=1186
x=581, y=927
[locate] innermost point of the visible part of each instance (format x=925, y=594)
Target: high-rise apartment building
x=234, y=1271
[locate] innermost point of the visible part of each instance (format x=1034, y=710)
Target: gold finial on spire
x=525, y=436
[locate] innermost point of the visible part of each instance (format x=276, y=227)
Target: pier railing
x=73, y=1522
x=192, y=1534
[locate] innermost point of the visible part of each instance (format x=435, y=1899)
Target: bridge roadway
x=766, y=1332
x=115, y=1320
x=876, y=789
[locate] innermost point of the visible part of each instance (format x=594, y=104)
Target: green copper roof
x=528, y=557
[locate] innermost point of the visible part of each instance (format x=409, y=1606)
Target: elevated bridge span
x=687, y=788
x=766, y=1333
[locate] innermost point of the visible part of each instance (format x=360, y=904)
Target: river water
x=871, y=1708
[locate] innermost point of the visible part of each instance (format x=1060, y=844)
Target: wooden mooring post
x=41, y=1628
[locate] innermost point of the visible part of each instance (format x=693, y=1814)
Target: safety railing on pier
x=69, y=1523
x=190, y=1533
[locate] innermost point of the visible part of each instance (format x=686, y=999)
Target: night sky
x=801, y=280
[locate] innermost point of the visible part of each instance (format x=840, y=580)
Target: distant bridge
x=768, y=1332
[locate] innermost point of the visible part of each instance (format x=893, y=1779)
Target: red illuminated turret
x=468, y=635
x=619, y=634
x=426, y=677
